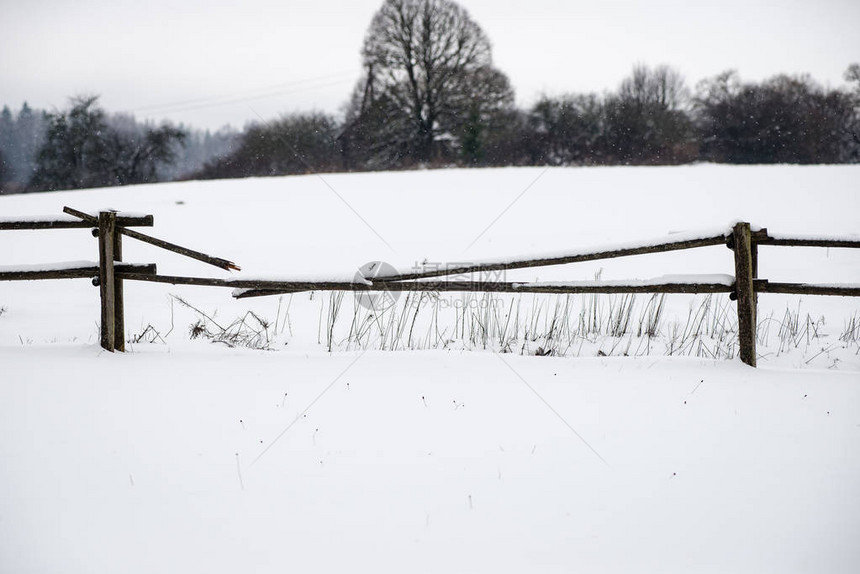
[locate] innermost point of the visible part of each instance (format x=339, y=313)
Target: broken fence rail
x=215, y=261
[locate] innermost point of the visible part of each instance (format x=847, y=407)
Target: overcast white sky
x=210, y=63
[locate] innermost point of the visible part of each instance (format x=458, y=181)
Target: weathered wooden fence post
x=744, y=272
x=107, y=279
x=119, y=298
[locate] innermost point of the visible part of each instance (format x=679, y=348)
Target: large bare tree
x=430, y=66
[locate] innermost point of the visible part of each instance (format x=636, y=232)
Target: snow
x=60, y=266
x=189, y=456
x=38, y=218
x=814, y=236
x=422, y=462
x=95, y=213
x=65, y=217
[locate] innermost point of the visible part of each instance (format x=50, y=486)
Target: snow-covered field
x=188, y=456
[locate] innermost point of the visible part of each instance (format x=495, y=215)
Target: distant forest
x=431, y=97
x=86, y=147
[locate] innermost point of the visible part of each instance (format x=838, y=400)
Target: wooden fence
x=109, y=272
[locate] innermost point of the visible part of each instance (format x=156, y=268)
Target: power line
x=256, y=94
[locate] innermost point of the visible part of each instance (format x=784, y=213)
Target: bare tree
x=429, y=64
x=647, y=120
x=662, y=87
x=852, y=75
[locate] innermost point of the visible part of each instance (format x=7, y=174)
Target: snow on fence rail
x=110, y=272
x=69, y=222
x=68, y=270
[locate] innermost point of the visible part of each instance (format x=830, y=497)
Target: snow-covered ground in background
x=187, y=456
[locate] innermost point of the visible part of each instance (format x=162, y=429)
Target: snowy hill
x=463, y=451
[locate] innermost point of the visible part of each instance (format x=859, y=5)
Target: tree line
x=430, y=96
x=84, y=146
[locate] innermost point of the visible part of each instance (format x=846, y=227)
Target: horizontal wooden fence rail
x=525, y=263
x=262, y=287
x=36, y=223
x=743, y=284
x=765, y=286
x=78, y=272
x=269, y=286
x=800, y=242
